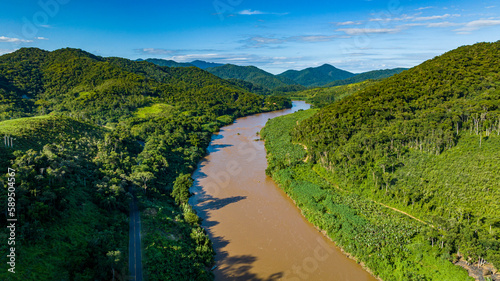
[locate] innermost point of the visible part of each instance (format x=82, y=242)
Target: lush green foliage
x=204, y=65
x=250, y=74
x=316, y=76
x=370, y=75
x=250, y=87
x=72, y=207
x=392, y=245
x=176, y=247
x=425, y=141
x=75, y=184
x=152, y=110
x=181, y=188
x=320, y=97
x=35, y=132
x=107, y=90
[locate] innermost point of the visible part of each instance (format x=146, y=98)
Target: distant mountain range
x=251, y=74
x=325, y=75
x=317, y=76
x=170, y=63
x=373, y=75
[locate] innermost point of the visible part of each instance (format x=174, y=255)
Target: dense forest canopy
x=316, y=76
x=95, y=131
x=250, y=74
x=322, y=96
x=106, y=90
x=369, y=75
x=87, y=133
x=426, y=141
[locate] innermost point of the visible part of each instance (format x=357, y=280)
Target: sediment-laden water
x=257, y=231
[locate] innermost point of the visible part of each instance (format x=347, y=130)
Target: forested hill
x=316, y=76
x=98, y=130
x=204, y=65
x=250, y=74
x=424, y=141
x=169, y=63
x=369, y=75
x=33, y=82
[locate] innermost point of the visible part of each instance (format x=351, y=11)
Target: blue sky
x=356, y=35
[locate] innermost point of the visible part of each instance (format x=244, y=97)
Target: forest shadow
x=239, y=268
x=231, y=267
x=216, y=204
x=217, y=147
x=217, y=136
x=207, y=203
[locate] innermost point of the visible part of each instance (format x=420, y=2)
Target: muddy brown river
x=257, y=231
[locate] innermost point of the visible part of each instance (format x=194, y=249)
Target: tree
x=142, y=178
x=181, y=188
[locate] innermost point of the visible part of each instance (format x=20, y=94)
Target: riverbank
x=391, y=245
x=252, y=222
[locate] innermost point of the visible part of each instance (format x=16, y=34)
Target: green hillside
x=250, y=87
x=204, y=65
x=75, y=177
x=105, y=90
x=426, y=142
x=36, y=132
x=250, y=74
x=316, y=76
x=320, y=97
x=370, y=75
x=391, y=245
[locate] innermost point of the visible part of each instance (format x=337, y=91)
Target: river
x=257, y=231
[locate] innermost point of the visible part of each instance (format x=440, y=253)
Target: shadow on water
x=217, y=136
x=217, y=147
x=239, y=268
x=206, y=203
x=216, y=204
x=230, y=267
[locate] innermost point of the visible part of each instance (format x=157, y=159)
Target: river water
x=257, y=231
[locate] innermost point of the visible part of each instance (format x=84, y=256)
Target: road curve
x=135, y=258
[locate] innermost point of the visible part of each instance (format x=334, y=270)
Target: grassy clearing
x=35, y=132
x=149, y=111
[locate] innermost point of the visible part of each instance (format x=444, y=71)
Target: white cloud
x=389, y=19
x=265, y=40
x=412, y=25
x=41, y=38
x=13, y=40
x=155, y=51
x=260, y=41
x=348, y=23
x=361, y=31
x=424, y=8
x=475, y=25
x=250, y=12
x=191, y=57
x=311, y=38
x=443, y=24
x=432, y=17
